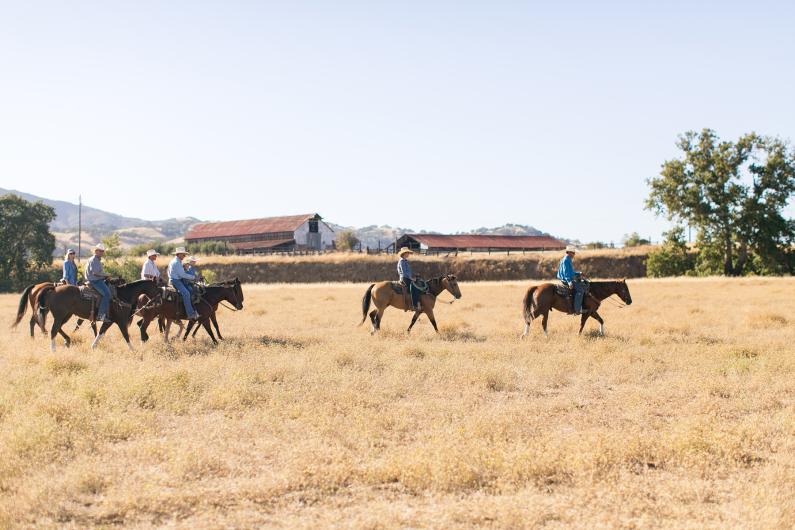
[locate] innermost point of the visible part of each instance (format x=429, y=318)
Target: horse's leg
x=191, y=323
x=33, y=322
x=429, y=311
x=215, y=323
x=56, y=327
x=544, y=320
x=583, y=319
x=94, y=328
x=143, y=324
x=125, y=333
x=67, y=340
x=77, y=326
x=206, y=323
x=599, y=319
x=413, y=320
x=102, y=330
x=166, y=329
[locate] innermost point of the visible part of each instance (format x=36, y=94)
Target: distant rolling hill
x=132, y=231
x=98, y=224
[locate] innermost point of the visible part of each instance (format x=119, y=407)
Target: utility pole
x=79, y=225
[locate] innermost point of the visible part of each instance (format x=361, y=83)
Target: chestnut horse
x=539, y=299
x=65, y=301
x=230, y=291
x=385, y=294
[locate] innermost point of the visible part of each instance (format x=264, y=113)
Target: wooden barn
x=434, y=243
x=268, y=234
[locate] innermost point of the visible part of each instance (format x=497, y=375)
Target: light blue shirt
x=404, y=269
x=177, y=272
x=566, y=270
x=70, y=272
x=94, y=270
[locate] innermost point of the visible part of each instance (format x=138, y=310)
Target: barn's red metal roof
x=253, y=245
x=247, y=227
x=488, y=241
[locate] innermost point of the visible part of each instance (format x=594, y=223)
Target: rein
x=221, y=303
x=436, y=296
x=147, y=305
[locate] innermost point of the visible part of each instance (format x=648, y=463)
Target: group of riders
x=181, y=275
x=572, y=279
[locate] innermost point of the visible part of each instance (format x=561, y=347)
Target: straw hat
x=571, y=248
x=152, y=252
x=70, y=251
x=192, y=259
x=100, y=246
x=405, y=250
x=180, y=250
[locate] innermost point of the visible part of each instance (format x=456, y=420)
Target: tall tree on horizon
x=734, y=194
x=25, y=239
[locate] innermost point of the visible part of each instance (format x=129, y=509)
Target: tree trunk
x=728, y=267
x=742, y=258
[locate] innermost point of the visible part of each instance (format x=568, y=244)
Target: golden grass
x=683, y=416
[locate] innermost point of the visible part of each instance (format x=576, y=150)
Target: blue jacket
x=566, y=270
x=70, y=272
x=177, y=272
x=404, y=269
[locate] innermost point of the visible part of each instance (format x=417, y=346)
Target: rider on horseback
x=573, y=279
x=190, y=269
x=150, y=271
x=69, y=268
x=95, y=275
x=180, y=280
x=407, y=277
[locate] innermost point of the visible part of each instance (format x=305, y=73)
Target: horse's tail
x=529, y=304
x=368, y=296
x=23, y=305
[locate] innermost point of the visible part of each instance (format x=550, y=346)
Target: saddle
x=169, y=295
x=419, y=284
x=564, y=291
x=87, y=292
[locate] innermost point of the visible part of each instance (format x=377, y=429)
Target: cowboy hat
x=571, y=248
x=152, y=252
x=100, y=246
x=193, y=259
x=180, y=250
x=405, y=250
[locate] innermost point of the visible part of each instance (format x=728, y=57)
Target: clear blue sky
x=438, y=115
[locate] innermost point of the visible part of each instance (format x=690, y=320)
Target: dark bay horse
x=65, y=301
x=540, y=299
x=384, y=294
x=229, y=291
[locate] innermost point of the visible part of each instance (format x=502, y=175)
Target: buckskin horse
x=229, y=291
x=540, y=299
x=385, y=294
x=65, y=301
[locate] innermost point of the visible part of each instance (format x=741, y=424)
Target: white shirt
x=149, y=269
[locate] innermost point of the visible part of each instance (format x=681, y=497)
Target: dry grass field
x=683, y=416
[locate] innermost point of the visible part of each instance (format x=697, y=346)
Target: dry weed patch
x=681, y=416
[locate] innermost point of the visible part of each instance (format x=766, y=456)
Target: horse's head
x=450, y=283
x=233, y=293
x=622, y=290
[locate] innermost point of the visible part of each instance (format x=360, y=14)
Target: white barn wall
x=327, y=235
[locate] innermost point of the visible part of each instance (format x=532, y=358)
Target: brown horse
x=385, y=294
x=539, y=299
x=65, y=301
x=230, y=291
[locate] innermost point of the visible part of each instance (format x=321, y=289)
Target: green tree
x=26, y=244
x=346, y=240
x=112, y=246
x=734, y=194
x=634, y=240
x=671, y=258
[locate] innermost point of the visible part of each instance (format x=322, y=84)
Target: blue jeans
x=185, y=291
x=104, y=303
x=415, y=295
